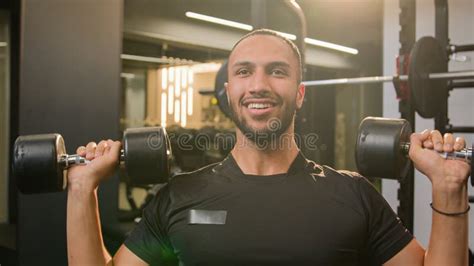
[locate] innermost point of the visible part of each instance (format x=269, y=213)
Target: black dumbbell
x=382, y=148
x=40, y=161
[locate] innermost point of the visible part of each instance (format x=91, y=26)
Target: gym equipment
x=453, y=49
x=382, y=79
x=427, y=56
x=219, y=90
x=40, y=162
x=382, y=148
x=427, y=78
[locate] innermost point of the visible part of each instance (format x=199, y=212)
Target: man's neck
x=275, y=158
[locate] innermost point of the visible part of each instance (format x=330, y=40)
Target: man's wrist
x=450, y=196
x=448, y=184
x=82, y=187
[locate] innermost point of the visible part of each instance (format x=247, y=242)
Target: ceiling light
x=287, y=35
x=158, y=60
x=219, y=21
x=292, y=37
x=331, y=46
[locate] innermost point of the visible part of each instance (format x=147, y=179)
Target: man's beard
x=271, y=135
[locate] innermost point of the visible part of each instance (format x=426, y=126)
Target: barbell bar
x=427, y=81
x=382, y=79
x=452, y=49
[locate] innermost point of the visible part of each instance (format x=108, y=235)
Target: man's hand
x=448, y=177
x=448, y=243
x=424, y=149
x=103, y=157
x=84, y=237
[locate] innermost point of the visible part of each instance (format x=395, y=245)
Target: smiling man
x=264, y=87
x=265, y=204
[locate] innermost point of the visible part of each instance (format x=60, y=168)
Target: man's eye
x=278, y=72
x=243, y=72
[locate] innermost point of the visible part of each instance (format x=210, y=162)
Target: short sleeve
x=149, y=240
x=387, y=234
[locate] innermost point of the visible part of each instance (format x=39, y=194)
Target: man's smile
x=259, y=106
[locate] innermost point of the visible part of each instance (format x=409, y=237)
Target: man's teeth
x=259, y=105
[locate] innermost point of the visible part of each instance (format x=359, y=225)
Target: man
x=266, y=204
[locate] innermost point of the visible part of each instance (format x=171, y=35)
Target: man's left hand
x=447, y=175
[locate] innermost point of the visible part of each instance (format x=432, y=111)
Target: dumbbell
x=40, y=162
x=382, y=148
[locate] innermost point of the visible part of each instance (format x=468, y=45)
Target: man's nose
x=260, y=82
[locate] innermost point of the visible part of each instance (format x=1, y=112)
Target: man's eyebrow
x=279, y=64
x=271, y=64
x=242, y=63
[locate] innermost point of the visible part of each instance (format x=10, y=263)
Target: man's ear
x=300, y=95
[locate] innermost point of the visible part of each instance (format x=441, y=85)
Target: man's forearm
x=84, y=238
x=449, y=234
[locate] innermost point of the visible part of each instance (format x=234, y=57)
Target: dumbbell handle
x=464, y=154
x=66, y=160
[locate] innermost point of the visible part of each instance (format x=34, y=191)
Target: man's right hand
x=103, y=157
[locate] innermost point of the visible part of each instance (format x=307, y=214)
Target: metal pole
x=259, y=14
x=457, y=129
x=407, y=38
x=302, y=29
x=377, y=79
x=461, y=85
x=380, y=79
x=452, y=75
x=460, y=48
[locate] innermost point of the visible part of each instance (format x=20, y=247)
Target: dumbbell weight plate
x=146, y=155
x=35, y=163
x=378, y=148
x=427, y=56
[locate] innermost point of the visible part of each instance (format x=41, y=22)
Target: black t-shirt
x=312, y=215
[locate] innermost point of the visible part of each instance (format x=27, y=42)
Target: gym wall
x=4, y=114
x=460, y=108
x=70, y=84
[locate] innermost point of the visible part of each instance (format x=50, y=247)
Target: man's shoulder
x=343, y=188
x=193, y=176
x=203, y=171
x=336, y=179
x=343, y=174
x=327, y=172
x=193, y=181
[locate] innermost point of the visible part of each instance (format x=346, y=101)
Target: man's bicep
x=126, y=257
x=411, y=254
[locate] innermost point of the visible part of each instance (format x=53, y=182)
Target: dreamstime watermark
x=205, y=142
x=156, y=140
x=271, y=141
x=274, y=124
x=268, y=139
